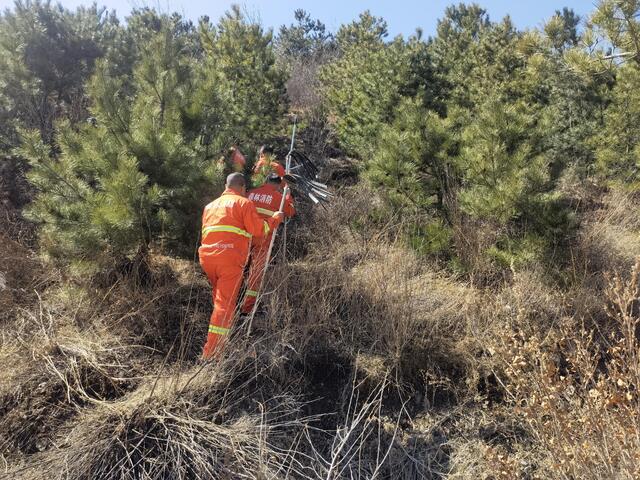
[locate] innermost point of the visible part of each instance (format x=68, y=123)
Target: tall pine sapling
x=134, y=174
x=618, y=142
x=502, y=172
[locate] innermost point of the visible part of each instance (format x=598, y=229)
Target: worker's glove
x=278, y=217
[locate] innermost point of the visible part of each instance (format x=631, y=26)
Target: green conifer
x=133, y=175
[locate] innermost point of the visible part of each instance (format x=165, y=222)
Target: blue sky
x=403, y=16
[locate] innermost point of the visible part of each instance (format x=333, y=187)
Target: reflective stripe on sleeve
x=218, y=330
x=251, y=293
x=267, y=228
x=265, y=211
x=226, y=228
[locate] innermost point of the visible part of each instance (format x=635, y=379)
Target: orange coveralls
x=265, y=167
x=267, y=200
x=228, y=224
x=235, y=162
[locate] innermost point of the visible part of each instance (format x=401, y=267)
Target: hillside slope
x=370, y=363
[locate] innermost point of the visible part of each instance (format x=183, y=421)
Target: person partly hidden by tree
x=233, y=161
x=267, y=199
x=228, y=225
x=266, y=165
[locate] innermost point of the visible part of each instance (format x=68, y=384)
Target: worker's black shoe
x=261, y=311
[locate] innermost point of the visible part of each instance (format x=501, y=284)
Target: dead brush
x=362, y=442
x=414, y=319
x=20, y=275
x=369, y=296
x=210, y=421
x=608, y=240
x=167, y=313
x=58, y=370
x=577, y=389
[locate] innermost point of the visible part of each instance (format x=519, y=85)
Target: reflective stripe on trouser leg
x=226, y=286
x=219, y=330
x=256, y=271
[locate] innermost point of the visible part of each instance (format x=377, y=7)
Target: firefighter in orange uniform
x=267, y=200
x=238, y=161
x=228, y=225
x=266, y=165
x=233, y=161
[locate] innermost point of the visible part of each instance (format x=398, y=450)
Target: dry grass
x=574, y=388
x=20, y=274
x=610, y=237
x=56, y=371
x=203, y=422
x=370, y=363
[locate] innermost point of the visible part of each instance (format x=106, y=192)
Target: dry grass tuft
x=20, y=274
x=610, y=237
x=57, y=370
x=209, y=421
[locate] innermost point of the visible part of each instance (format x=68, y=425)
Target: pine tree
x=46, y=54
x=618, y=143
x=453, y=49
x=562, y=29
x=502, y=171
x=240, y=74
x=134, y=174
x=362, y=87
x=475, y=58
x=304, y=41
x=618, y=22
x=568, y=105
x=413, y=158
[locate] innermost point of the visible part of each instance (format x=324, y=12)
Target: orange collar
x=231, y=191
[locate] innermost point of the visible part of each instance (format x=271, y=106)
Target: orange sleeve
x=204, y=216
x=238, y=159
x=289, y=209
x=258, y=166
x=253, y=223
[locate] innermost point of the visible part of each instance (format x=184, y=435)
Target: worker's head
x=274, y=179
x=236, y=182
x=265, y=151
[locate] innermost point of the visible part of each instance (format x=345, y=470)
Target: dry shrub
x=359, y=293
x=20, y=274
x=530, y=300
x=471, y=239
x=416, y=317
x=371, y=443
x=302, y=85
x=77, y=346
x=575, y=387
x=369, y=363
x=230, y=420
x=478, y=459
x=217, y=420
x=57, y=370
x=609, y=236
x=316, y=135
x=167, y=310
